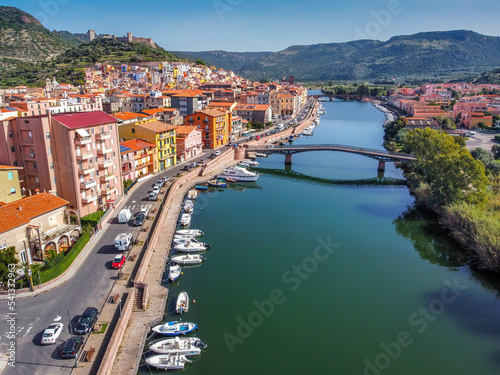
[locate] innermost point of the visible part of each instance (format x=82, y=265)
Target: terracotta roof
x=209, y=112
x=84, y=119
x=159, y=110
x=185, y=129
x=136, y=144
x=24, y=210
x=7, y=167
x=156, y=126
x=129, y=115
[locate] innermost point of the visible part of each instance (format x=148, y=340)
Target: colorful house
x=138, y=158
x=214, y=124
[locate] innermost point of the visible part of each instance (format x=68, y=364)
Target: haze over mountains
x=430, y=55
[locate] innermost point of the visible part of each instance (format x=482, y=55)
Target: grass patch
x=139, y=243
x=102, y=329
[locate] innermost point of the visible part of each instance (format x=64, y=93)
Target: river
x=307, y=275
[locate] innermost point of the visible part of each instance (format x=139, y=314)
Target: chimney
x=20, y=208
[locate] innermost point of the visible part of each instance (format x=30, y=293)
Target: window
x=11, y=134
x=111, y=127
x=47, y=135
x=54, y=180
x=10, y=175
x=30, y=135
x=133, y=130
x=13, y=190
x=34, y=165
x=22, y=256
x=27, y=121
x=37, y=180
x=15, y=163
x=51, y=165
x=13, y=149
x=92, y=131
x=102, y=129
x=50, y=151
x=114, y=154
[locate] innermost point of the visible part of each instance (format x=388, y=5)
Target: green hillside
x=228, y=60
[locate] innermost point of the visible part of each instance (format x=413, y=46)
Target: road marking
x=28, y=331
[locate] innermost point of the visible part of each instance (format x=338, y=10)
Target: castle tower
x=130, y=38
x=91, y=34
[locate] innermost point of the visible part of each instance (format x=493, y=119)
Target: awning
x=82, y=133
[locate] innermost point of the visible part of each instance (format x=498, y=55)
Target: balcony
x=89, y=199
x=88, y=184
x=83, y=141
x=104, y=151
x=107, y=177
x=103, y=136
x=106, y=163
x=107, y=189
x=85, y=156
x=86, y=170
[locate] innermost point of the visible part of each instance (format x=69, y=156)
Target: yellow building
x=158, y=133
x=10, y=188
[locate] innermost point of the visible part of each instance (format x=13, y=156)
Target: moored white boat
x=191, y=246
x=188, y=206
x=261, y=155
x=168, y=361
x=174, y=328
x=178, y=345
x=181, y=239
x=239, y=174
x=192, y=194
x=174, y=272
x=185, y=219
x=188, y=259
x=182, y=304
x=189, y=232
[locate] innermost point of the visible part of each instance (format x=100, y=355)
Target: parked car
x=152, y=196
x=88, y=319
x=156, y=189
x=212, y=156
x=160, y=183
x=145, y=211
x=217, y=153
x=140, y=218
x=51, y=333
x=165, y=179
x=203, y=161
x=194, y=165
x=187, y=167
x=72, y=347
x=118, y=262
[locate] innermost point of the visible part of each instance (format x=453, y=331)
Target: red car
x=118, y=262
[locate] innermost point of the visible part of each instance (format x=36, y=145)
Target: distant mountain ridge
x=428, y=55
x=228, y=60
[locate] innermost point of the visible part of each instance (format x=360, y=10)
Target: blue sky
x=262, y=25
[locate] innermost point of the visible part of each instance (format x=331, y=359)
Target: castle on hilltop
x=129, y=38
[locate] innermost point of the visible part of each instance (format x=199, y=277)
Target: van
x=124, y=216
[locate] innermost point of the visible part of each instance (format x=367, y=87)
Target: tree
x=449, y=171
x=258, y=125
x=460, y=141
x=363, y=90
x=496, y=151
x=200, y=62
x=481, y=124
x=7, y=256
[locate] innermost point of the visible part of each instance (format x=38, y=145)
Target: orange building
x=214, y=124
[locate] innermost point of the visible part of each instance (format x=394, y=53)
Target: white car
x=217, y=153
x=156, y=189
x=51, y=333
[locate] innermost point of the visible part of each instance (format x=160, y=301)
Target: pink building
x=189, y=143
x=472, y=106
x=88, y=159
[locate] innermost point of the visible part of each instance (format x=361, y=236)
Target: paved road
x=89, y=287
x=483, y=140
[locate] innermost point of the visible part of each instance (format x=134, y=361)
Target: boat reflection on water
x=242, y=186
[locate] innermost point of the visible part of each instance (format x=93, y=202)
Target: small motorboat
x=201, y=187
x=217, y=183
x=182, y=304
x=185, y=219
x=188, y=206
x=261, y=155
x=167, y=361
x=174, y=272
x=192, y=195
x=252, y=163
x=181, y=239
x=189, y=232
x=178, y=345
x=188, y=259
x=191, y=246
x=175, y=328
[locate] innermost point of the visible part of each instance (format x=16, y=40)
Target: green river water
x=311, y=276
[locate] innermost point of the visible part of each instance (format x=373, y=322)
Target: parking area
x=482, y=140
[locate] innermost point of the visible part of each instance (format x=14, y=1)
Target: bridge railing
x=353, y=148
